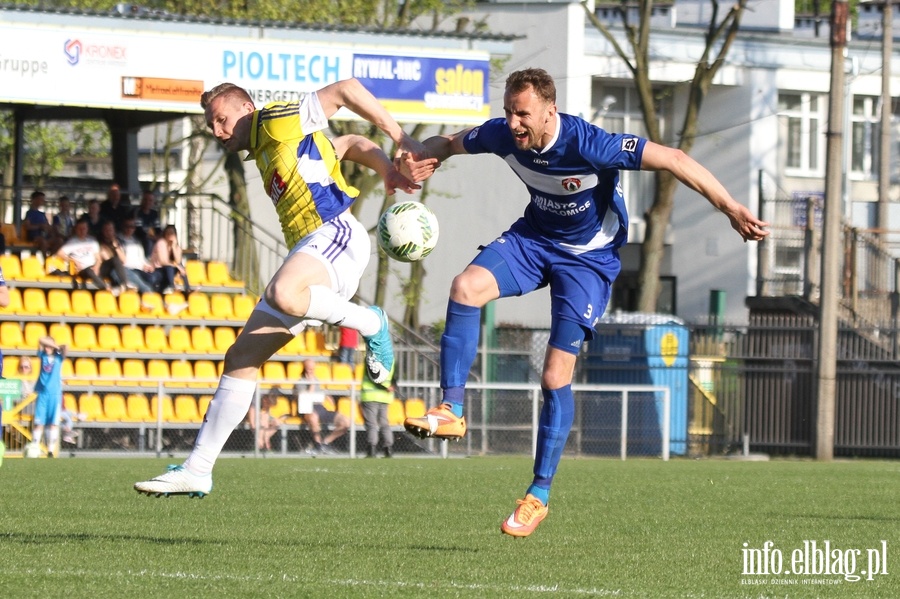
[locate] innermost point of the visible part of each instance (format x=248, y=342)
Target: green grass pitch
x=430, y=528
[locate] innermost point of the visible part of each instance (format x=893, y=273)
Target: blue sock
x=541, y=493
x=459, y=346
x=554, y=424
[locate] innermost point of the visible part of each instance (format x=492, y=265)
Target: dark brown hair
x=538, y=79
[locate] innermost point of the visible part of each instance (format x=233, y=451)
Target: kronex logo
x=812, y=562
x=76, y=50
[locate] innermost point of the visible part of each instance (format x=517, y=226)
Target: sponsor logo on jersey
x=473, y=133
x=571, y=184
x=629, y=144
x=276, y=187
x=541, y=162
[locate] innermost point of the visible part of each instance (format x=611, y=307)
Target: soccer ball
x=408, y=231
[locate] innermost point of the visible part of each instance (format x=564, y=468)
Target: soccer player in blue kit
x=567, y=239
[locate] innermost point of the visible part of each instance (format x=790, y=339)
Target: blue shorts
x=580, y=284
x=46, y=409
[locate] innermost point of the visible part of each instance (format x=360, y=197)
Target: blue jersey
x=576, y=198
x=49, y=381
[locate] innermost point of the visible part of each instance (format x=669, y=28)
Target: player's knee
x=555, y=378
x=466, y=289
x=284, y=300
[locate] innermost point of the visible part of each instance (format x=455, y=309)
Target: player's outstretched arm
x=352, y=94
x=364, y=151
x=657, y=157
x=439, y=148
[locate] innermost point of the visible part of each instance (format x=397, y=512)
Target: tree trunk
x=653, y=248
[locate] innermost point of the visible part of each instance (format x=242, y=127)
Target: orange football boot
x=439, y=422
x=526, y=517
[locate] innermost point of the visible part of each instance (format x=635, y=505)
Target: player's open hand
x=748, y=226
x=416, y=169
x=394, y=180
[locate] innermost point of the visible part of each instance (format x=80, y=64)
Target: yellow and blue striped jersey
x=300, y=169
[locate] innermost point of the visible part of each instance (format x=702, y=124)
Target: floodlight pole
x=831, y=239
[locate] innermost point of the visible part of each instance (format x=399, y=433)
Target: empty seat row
x=182, y=373
x=102, y=303
x=138, y=407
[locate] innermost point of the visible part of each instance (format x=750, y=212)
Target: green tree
x=720, y=33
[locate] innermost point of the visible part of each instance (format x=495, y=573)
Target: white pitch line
x=289, y=578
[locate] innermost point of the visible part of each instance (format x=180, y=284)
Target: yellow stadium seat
x=70, y=403
x=315, y=342
x=206, y=374
x=202, y=340
x=343, y=407
x=68, y=370
x=11, y=266
x=281, y=408
x=108, y=337
x=59, y=302
x=414, y=407
x=139, y=408
x=273, y=373
x=198, y=306
x=82, y=302
x=130, y=303
x=322, y=371
x=15, y=302
x=180, y=340
x=9, y=365
x=52, y=268
x=196, y=273
x=34, y=270
x=135, y=373
x=110, y=368
x=84, y=336
x=203, y=404
x=182, y=373
x=61, y=333
x=223, y=338
x=152, y=304
x=343, y=375
x=294, y=370
x=12, y=337
x=132, y=338
x=10, y=235
x=243, y=306
x=168, y=408
x=91, y=406
x=396, y=413
x=217, y=274
x=221, y=306
x=34, y=300
x=105, y=303
x=86, y=370
x=295, y=347
x=155, y=339
x=114, y=407
x=33, y=332
x=186, y=409
x=158, y=370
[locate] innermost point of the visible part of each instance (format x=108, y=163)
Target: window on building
x=617, y=110
x=801, y=132
x=865, y=121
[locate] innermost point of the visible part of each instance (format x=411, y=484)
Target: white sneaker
x=176, y=481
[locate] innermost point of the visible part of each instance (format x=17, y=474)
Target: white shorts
x=343, y=247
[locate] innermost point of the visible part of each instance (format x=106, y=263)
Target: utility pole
x=831, y=238
x=884, y=166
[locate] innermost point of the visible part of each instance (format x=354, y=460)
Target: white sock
x=327, y=306
x=51, y=433
x=227, y=409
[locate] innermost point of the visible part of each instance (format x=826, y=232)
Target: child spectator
x=49, y=393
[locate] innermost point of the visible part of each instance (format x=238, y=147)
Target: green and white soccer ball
x=408, y=231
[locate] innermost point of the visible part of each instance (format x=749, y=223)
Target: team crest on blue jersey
x=571, y=184
x=473, y=133
x=629, y=144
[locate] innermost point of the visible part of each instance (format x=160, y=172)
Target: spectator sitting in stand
x=139, y=270
x=115, y=207
x=35, y=225
x=93, y=218
x=112, y=257
x=268, y=424
x=63, y=223
x=147, y=222
x=310, y=405
x=84, y=252
x=168, y=261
